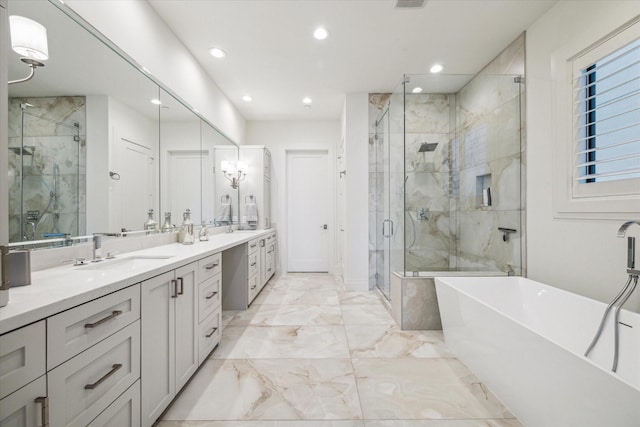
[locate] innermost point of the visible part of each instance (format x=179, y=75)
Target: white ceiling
x=272, y=55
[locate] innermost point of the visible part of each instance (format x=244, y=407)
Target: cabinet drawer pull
x=114, y=314
x=213, y=331
x=269, y=269
x=252, y=264
x=253, y=287
x=212, y=265
x=174, y=282
x=253, y=246
x=211, y=295
x=44, y=401
x=113, y=370
x=181, y=291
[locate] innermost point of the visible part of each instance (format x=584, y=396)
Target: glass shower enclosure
x=44, y=171
x=447, y=168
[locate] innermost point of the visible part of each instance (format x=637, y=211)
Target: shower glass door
x=44, y=178
x=383, y=226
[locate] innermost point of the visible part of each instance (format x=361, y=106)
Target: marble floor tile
x=357, y=297
x=293, y=281
x=269, y=389
x=444, y=423
x=422, y=389
x=389, y=341
x=366, y=314
x=227, y=315
x=297, y=296
x=276, y=314
x=277, y=423
x=260, y=342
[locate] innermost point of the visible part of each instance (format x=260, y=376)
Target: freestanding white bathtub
x=526, y=340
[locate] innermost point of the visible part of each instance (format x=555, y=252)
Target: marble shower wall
x=487, y=151
x=51, y=141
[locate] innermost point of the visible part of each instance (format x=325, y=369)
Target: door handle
x=324, y=226
x=181, y=291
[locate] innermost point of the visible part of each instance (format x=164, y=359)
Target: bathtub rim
x=439, y=281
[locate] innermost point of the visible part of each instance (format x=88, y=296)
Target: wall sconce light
x=29, y=40
x=234, y=173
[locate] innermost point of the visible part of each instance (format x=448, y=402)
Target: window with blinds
x=607, y=113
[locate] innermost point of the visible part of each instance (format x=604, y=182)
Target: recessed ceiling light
x=306, y=100
x=156, y=102
x=247, y=98
x=321, y=33
x=417, y=90
x=436, y=68
x=216, y=52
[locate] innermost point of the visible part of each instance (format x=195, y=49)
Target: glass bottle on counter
x=151, y=225
x=204, y=233
x=167, y=227
x=187, y=228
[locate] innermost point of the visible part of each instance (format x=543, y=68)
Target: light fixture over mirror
x=29, y=40
x=234, y=173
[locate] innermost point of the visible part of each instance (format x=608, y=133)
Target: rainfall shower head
x=27, y=150
x=427, y=147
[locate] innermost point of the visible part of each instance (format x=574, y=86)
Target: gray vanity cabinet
x=169, y=338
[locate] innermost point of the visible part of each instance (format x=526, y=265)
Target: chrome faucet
x=623, y=228
x=97, y=245
x=631, y=246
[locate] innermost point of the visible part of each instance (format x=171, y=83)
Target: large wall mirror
x=95, y=143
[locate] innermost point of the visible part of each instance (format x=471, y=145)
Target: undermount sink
x=128, y=263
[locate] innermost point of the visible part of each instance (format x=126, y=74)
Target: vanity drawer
x=210, y=333
x=84, y=386
x=209, y=266
x=124, y=412
x=208, y=296
x=253, y=264
x=253, y=287
x=25, y=407
x=77, y=329
x=253, y=246
x=22, y=357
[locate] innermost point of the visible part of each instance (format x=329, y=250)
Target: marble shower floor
x=307, y=353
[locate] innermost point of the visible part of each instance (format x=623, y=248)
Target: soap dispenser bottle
x=204, y=233
x=167, y=227
x=151, y=225
x=187, y=228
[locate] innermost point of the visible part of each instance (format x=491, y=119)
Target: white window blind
x=607, y=117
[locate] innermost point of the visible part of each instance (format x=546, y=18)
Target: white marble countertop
x=61, y=288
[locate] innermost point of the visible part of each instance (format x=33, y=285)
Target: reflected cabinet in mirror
x=95, y=144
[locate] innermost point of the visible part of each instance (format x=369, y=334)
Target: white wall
x=581, y=256
x=356, y=233
x=138, y=30
x=278, y=137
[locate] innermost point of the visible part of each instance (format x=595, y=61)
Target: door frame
x=331, y=216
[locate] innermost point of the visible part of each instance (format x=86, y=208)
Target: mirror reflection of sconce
x=29, y=40
x=114, y=176
x=234, y=173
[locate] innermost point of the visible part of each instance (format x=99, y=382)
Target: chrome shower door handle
x=384, y=234
x=391, y=222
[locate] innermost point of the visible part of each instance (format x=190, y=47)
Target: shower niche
x=46, y=167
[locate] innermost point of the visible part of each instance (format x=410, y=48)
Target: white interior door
x=133, y=192
x=308, y=190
